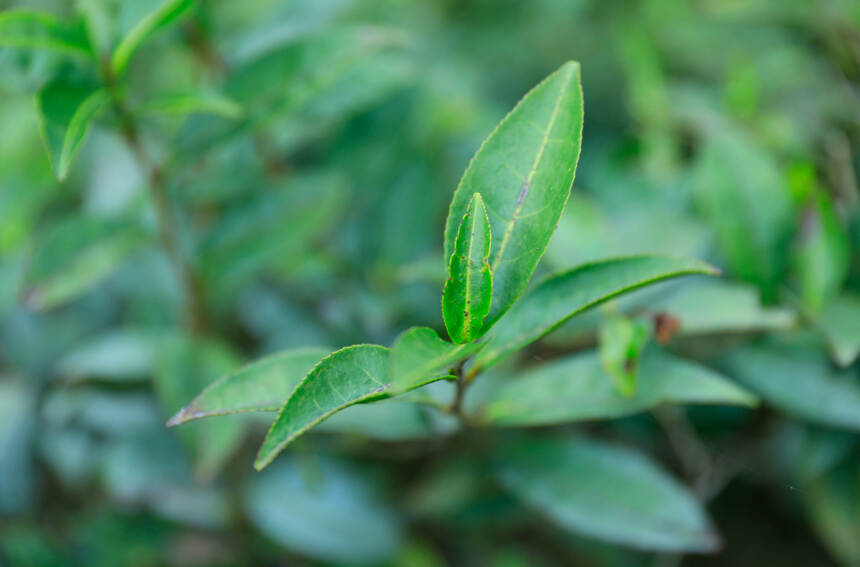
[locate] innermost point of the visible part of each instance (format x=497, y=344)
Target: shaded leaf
x=576, y=388
x=199, y=102
x=419, y=354
x=41, y=30
x=524, y=171
x=168, y=13
x=560, y=297
x=261, y=386
x=608, y=493
x=832, y=504
x=469, y=289
x=390, y=420
x=799, y=382
x=66, y=113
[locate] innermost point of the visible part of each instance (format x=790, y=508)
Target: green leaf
x=325, y=509
x=800, y=382
x=576, y=388
x=390, y=420
x=831, y=502
x=622, y=341
x=838, y=322
x=351, y=375
x=120, y=355
x=169, y=12
x=261, y=386
x=192, y=103
x=66, y=113
x=77, y=254
x=606, y=492
x=469, y=289
x=419, y=354
x=524, y=171
x=41, y=30
x=562, y=296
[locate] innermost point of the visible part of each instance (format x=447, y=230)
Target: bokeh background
x=306, y=206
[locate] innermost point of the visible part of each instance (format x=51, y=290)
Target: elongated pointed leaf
x=606, y=492
x=41, y=30
x=192, y=103
x=169, y=12
x=469, y=289
x=577, y=388
x=261, y=386
x=524, y=171
x=560, y=297
x=66, y=113
x=351, y=375
x=419, y=354
x=800, y=382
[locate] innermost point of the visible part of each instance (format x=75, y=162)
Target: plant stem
x=456, y=407
x=168, y=231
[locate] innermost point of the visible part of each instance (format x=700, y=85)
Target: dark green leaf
x=261, y=386
x=469, y=289
x=420, y=354
x=608, y=493
x=560, y=297
x=524, y=171
x=169, y=12
x=576, y=388
x=41, y=30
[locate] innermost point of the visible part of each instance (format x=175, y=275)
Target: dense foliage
x=323, y=238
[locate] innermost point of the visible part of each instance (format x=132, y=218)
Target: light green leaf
x=41, y=30
x=606, y=492
x=576, y=388
x=562, y=296
x=66, y=113
x=348, y=376
x=800, y=382
x=622, y=341
x=76, y=255
x=419, y=354
x=261, y=386
x=325, y=509
x=192, y=103
x=469, y=289
x=169, y=12
x=839, y=322
x=524, y=171
x=120, y=356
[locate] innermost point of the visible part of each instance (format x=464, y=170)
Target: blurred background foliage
x=306, y=152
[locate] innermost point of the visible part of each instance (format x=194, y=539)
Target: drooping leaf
x=168, y=13
x=261, y=386
x=76, y=255
x=41, y=30
x=524, y=171
x=348, y=376
x=419, y=354
x=66, y=113
x=194, y=102
x=469, y=289
x=560, y=297
x=838, y=322
x=800, y=382
x=606, y=492
x=576, y=388
x=325, y=509
x=622, y=341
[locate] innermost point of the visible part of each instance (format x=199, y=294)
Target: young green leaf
x=41, y=30
x=66, y=113
x=419, y=353
x=169, y=12
x=349, y=376
x=622, y=341
x=469, y=289
x=192, y=103
x=575, y=388
x=606, y=492
x=562, y=296
x=524, y=171
x=258, y=387
x=799, y=382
